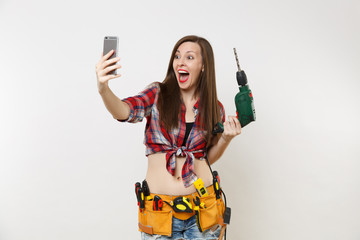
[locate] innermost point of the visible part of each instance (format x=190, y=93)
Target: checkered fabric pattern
x=157, y=139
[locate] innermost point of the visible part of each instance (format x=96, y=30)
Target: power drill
x=244, y=101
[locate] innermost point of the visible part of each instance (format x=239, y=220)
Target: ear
x=202, y=68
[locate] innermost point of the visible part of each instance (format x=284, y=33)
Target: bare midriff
x=160, y=181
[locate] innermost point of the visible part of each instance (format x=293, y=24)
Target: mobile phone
x=111, y=43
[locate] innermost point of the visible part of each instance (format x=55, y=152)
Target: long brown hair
x=169, y=101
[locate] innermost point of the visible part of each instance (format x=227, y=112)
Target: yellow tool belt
x=160, y=222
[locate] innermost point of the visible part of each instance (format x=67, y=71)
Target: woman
x=181, y=113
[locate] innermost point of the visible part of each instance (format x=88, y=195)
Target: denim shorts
x=186, y=229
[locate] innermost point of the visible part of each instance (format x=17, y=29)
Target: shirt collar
x=196, y=106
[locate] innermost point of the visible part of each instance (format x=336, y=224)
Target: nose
x=181, y=62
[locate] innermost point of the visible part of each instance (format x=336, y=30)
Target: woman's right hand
x=103, y=68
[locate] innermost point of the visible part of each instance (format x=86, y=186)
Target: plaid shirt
x=157, y=139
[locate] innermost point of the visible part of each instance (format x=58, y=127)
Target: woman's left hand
x=232, y=128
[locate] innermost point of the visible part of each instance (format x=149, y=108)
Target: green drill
x=244, y=101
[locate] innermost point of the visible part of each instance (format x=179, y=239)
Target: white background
x=67, y=168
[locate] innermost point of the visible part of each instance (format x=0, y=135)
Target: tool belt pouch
x=213, y=213
x=155, y=222
x=160, y=222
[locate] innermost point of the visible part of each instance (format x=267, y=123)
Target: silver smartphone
x=111, y=43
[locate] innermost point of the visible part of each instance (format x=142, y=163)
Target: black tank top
x=189, y=126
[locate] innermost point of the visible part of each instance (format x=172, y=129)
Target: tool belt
x=158, y=220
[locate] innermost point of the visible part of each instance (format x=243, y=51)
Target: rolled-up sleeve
x=141, y=104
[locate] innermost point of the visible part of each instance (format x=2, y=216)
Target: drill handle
x=219, y=128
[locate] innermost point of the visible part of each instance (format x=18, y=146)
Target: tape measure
x=181, y=204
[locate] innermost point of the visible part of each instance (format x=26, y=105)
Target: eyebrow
x=186, y=52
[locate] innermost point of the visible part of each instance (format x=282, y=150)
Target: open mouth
x=183, y=75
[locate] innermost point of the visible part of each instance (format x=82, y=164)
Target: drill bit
x=237, y=60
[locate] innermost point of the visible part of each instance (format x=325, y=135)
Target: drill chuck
x=241, y=78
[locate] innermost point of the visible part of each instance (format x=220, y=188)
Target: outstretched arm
x=117, y=108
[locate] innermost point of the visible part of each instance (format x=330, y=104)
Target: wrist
x=226, y=139
x=103, y=88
